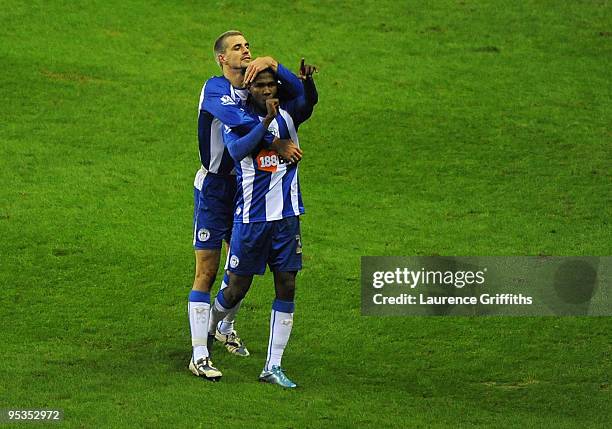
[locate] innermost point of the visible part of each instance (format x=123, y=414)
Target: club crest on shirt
x=203, y=234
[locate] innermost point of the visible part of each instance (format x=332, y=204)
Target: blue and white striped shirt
x=221, y=103
x=268, y=188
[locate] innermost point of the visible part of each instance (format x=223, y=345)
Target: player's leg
x=226, y=302
x=281, y=323
x=286, y=260
x=199, y=312
x=208, y=234
x=225, y=332
x=199, y=299
x=227, y=324
x=248, y=253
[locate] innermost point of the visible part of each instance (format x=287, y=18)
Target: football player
x=221, y=101
x=269, y=203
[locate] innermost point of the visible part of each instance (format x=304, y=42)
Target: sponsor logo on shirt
x=268, y=160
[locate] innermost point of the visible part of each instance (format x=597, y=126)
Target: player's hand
x=288, y=150
x=272, y=108
x=307, y=70
x=257, y=65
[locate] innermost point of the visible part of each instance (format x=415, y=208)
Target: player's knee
x=204, y=278
x=286, y=291
x=234, y=294
x=286, y=294
x=237, y=289
x=207, y=263
x=285, y=285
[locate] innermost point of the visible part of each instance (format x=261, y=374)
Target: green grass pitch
x=446, y=127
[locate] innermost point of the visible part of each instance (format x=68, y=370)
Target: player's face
x=237, y=54
x=263, y=87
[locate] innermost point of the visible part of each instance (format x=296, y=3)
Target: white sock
x=199, y=314
x=226, y=326
x=217, y=312
x=281, y=322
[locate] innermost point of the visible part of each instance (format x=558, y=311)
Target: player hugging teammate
x=249, y=149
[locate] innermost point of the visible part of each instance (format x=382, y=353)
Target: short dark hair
x=268, y=70
x=220, y=47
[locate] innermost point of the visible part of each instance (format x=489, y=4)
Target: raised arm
x=291, y=83
x=310, y=91
x=301, y=108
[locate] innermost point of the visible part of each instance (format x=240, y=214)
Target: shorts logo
x=234, y=261
x=268, y=160
x=298, y=245
x=203, y=234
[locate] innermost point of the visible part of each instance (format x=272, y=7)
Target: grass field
x=443, y=128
